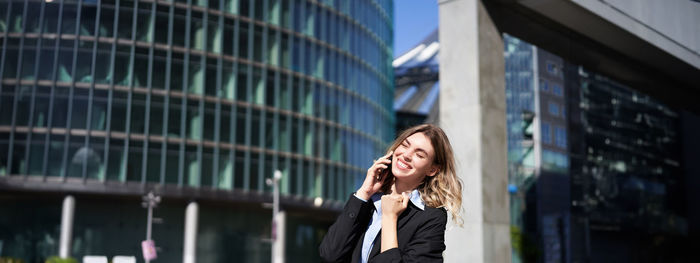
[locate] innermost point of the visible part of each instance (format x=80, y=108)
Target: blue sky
x=413, y=21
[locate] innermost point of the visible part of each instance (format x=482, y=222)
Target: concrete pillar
x=189, y=251
x=278, y=243
x=66, y=240
x=473, y=114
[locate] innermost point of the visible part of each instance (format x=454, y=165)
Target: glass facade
x=606, y=176
x=520, y=76
x=629, y=162
x=209, y=95
x=196, y=93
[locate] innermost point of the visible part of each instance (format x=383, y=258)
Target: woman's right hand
x=373, y=182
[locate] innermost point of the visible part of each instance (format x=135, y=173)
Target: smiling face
x=413, y=159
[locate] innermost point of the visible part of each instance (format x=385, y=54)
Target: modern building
x=597, y=167
x=600, y=144
x=416, y=76
x=633, y=67
x=197, y=101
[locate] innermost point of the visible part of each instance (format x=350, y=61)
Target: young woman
x=400, y=211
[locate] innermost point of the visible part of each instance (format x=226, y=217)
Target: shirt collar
x=415, y=199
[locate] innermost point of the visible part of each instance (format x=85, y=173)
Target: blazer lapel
x=403, y=219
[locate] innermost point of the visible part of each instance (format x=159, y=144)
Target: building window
x=560, y=137
x=552, y=68
x=553, y=109
x=543, y=85
x=556, y=89
x=546, y=137
x=554, y=161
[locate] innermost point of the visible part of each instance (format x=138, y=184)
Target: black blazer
x=421, y=235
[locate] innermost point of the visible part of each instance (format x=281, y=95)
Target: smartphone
x=384, y=173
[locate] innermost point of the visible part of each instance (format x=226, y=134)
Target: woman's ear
x=433, y=170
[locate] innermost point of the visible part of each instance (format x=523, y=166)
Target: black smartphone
x=385, y=172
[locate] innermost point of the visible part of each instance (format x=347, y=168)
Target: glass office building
x=595, y=166
x=196, y=99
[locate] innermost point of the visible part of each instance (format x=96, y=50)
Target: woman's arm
x=342, y=236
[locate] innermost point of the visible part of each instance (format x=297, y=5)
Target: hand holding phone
x=383, y=172
x=376, y=176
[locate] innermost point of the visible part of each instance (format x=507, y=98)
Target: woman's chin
x=401, y=174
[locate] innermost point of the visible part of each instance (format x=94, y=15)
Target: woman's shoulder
x=435, y=213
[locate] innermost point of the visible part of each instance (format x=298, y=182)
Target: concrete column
x=189, y=251
x=278, y=243
x=472, y=113
x=66, y=240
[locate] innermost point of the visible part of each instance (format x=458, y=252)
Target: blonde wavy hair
x=445, y=188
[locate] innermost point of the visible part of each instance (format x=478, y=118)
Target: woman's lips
x=402, y=165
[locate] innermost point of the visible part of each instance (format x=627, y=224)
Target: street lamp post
x=277, y=241
x=150, y=201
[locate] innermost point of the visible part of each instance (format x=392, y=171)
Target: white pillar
x=66, y=240
x=278, y=244
x=472, y=113
x=189, y=251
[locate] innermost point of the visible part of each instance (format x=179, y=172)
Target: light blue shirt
x=375, y=224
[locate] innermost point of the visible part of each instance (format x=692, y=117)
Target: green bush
x=524, y=245
x=56, y=259
x=10, y=260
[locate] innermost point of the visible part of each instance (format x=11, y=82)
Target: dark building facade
x=628, y=188
x=596, y=169
x=196, y=101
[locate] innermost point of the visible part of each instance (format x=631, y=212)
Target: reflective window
x=134, y=161
x=172, y=161
x=552, y=68
x=546, y=137
x=256, y=128
x=226, y=124
x=244, y=39
x=273, y=13
x=116, y=166
x=179, y=25
x=557, y=90
x=258, y=47
x=197, y=31
x=284, y=134
x=224, y=176
x=138, y=110
x=207, y=172
x=231, y=6
x=78, y=114
x=194, y=120
x=161, y=26
x=209, y=121
x=560, y=136
x=124, y=29
x=553, y=108
x=153, y=162
x=192, y=167
x=174, y=117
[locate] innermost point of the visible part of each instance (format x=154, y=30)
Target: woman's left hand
x=393, y=204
